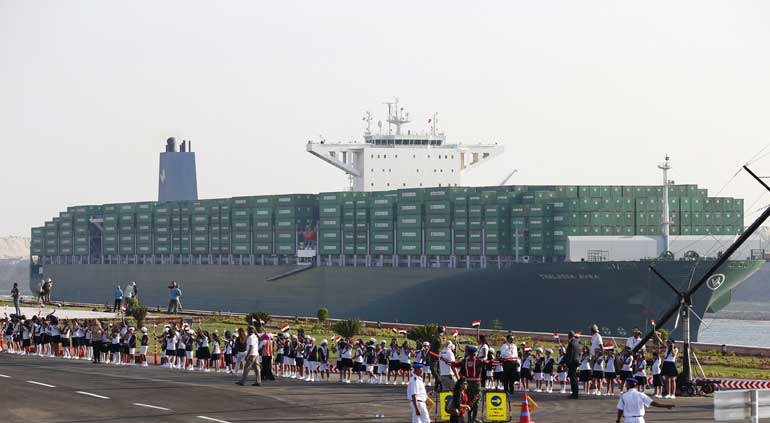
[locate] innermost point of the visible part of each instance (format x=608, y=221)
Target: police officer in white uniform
x=632, y=403
x=416, y=394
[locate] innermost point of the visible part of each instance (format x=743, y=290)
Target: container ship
x=406, y=242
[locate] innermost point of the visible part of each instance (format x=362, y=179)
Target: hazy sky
x=578, y=92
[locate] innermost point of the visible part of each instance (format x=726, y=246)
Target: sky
x=589, y=92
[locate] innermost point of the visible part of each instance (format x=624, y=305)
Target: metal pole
x=755, y=406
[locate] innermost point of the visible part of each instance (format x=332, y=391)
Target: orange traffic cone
x=525, y=411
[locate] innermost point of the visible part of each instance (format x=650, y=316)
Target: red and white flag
x=476, y=323
x=285, y=327
x=402, y=331
x=336, y=338
x=578, y=333
x=456, y=333
x=395, y=330
x=527, y=348
x=555, y=335
x=608, y=346
x=652, y=322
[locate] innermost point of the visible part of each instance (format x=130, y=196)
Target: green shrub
x=423, y=333
x=322, y=314
x=347, y=328
x=139, y=313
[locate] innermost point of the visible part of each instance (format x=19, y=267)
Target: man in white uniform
x=596, y=340
x=416, y=394
x=632, y=403
x=509, y=354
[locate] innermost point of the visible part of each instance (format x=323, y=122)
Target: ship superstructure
x=395, y=158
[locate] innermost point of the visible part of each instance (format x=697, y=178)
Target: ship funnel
x=177, y=178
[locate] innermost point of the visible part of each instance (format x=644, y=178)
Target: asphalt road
x=36, y=389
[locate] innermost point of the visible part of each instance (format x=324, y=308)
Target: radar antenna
x=396, y=116
x=368, y=119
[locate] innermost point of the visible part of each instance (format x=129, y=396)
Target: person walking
x=252, y=358
x=118, y=299
x=16, y=295
x=573, y=361
x=417, y=395
x=266, y=347
x=175, y=296
x=632, y=403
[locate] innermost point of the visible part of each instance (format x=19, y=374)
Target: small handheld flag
x=608, y=346
x=476, y=323
x=456, y=333
x=395, y=330
x=578, y=333
x=284, y=328
x=402, y=331
x=652, y=322
x=556, y=335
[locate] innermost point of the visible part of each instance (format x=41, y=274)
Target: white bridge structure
x=392, y=159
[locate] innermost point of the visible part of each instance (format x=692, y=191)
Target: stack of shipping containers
x=66, y=240
x=294, y=214
x=381, y=226
x=411, y=227
x=459, y=198
x=161, y=229
x=110, y=233
x=489, y=221
x=334, y=209
x=263, y=215
x=438, y=221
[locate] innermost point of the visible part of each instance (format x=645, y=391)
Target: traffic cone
x=155, y=358
x=525, y=411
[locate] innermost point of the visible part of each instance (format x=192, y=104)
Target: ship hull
x=552, y=297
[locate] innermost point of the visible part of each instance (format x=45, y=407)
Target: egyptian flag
x=456, y=333
x=285, y=328
x=336, y=338
x=652, y=322
x=476, y=323
x=527, y=348
x=608, y=346
x=556, y=335
x=395, y=330
x=402, y=331
x=578, y=333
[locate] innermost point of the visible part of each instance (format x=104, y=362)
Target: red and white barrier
x=743, y=383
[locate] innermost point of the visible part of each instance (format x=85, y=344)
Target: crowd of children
x=302, y=357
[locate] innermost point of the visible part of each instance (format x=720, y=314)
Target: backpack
x=452, y=407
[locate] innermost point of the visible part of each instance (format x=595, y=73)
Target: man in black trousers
x=573, y=361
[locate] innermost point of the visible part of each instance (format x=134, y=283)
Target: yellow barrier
x=496, y=406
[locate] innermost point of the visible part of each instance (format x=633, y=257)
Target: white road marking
x=91, y=395
x=151, y=406
x=5, y=376
x=212, y=420
x=41, y=384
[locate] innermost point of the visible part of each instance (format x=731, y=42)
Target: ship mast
x=665, y=167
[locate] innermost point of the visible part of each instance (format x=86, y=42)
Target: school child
x=394, y=364
x=548, y=370
x=323, y=360
x=26, y=338
x=189, y=348
x=180, y=358
x=78, y=338
x=227, y=349
x=105, y=345
x=115, y=346
x=278, y=357
x=497, y=373
x=131, y=341
x=358, y=360
x=598, y=371
x=657, y=381
x=406, y=364
x=526, y=368
x=584, y=375
x=203, y=353
x=55, y=335
x=88, y=338
x=609, y=370
x=299, y=357
x=626, y=366
x=539, y=361
x=312, y=361
x=216, y=351
x=489, y=369
x=345, y=351
x=288, y=360
x=370, y=359
x=65, y=331
x=143, y=342
x=640, y=373
x=382, y=362
x=170, y=340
